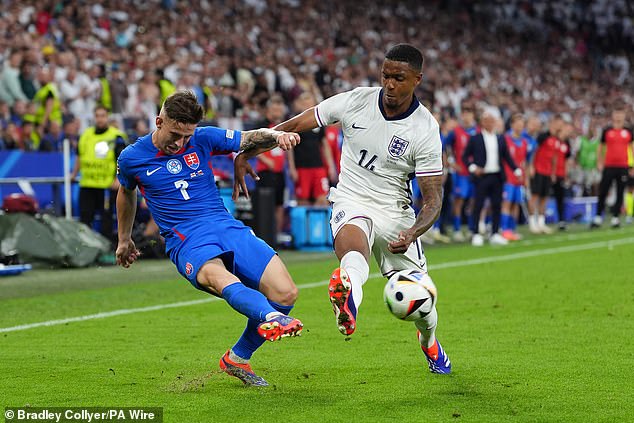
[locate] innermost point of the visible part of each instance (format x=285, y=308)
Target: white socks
x=427, y=328
x=358, y=270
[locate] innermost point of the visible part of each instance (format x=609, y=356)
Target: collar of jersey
x=412, y=108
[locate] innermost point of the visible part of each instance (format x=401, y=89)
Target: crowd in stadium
x=537, y=58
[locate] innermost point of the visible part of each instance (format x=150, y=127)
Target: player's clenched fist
x=287, y=140
x=127, y=253
x=405, y=238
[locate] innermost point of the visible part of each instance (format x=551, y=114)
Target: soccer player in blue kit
x=213, y=251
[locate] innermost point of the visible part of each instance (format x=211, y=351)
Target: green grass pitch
x=539, y=331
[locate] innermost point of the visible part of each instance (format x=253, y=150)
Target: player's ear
x=158, y=122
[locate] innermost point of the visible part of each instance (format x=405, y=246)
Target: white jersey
x=381, y=155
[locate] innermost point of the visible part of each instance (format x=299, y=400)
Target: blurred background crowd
x=60, y=59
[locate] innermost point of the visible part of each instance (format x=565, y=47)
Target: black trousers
x=446, y=210
x=611, y=174
x=488, y=185
x=92, y=201
x=559, y=192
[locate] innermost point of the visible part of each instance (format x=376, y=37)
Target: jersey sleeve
x=429, y=154
x=332, y=109
x=124, y=174
x=218, y=140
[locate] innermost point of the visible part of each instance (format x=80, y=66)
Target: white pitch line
x=447, y=265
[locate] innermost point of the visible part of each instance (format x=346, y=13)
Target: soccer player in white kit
x=389, y=139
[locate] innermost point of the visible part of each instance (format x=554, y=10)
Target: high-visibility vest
x=41, y=96
x=106, y=97
x=166, y=88
x=97, y=157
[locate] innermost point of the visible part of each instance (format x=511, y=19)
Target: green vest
x=210, y=113
x=40, y=99
x=106, y=97
x=166, y=88
x=97, y=157
x=588, y=153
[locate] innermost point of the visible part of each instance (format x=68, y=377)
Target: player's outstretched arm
x=253, y=143
x=305, y=121
x=431, y=190
x=126, y=252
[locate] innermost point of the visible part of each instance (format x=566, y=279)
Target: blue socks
x=505, y=222
x=250, y=339
x=247, y=301
x=457, y=222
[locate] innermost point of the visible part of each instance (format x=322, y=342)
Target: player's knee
x=287, y=296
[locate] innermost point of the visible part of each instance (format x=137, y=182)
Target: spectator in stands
x=612, y=162
x=485, y=156
x=47, y=100
x=98, y=150
x=53, y=139
x=308, y=161
x=10, y=88
x=11, y=137
x=27, y=79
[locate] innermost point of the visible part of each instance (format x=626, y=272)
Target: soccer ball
x=410, y=294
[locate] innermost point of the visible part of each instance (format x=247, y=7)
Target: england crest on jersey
x=397, y=146
x=192, y=160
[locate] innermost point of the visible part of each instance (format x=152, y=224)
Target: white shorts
x=380, y=229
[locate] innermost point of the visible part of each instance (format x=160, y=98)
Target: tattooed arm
x=253, y=143
x=264, y=139
x=431, y=190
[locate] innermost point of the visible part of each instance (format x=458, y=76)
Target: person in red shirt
x=270, y=164
x=463, y=190
x=543, y=174
x=563, y=154
x=306, y=167
x=514, y=193
x=334, y=138
x=612, y=162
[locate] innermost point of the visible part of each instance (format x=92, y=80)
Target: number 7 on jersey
x=182, y=186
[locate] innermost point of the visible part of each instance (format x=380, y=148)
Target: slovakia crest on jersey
x=397, y=146
x=192, y=160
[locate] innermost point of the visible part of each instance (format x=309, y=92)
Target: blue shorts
x=513, y=193
x=195, y=243
x=462, y=186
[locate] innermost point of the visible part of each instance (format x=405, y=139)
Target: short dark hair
x=406, y=53
x=183, y=107
x=101, y=107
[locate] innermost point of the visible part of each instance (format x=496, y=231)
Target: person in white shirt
x=484, y=157
x=389, y=139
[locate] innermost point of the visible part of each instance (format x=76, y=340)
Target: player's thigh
x=387, y=230
x=252, y=255
x=352, y=228
x=213, y=276
x=356, y=235
x=276, y=283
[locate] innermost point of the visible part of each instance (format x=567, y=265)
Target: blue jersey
x=178, y=188
x=532, y=145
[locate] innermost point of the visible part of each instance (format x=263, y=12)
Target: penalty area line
x=439, y=266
